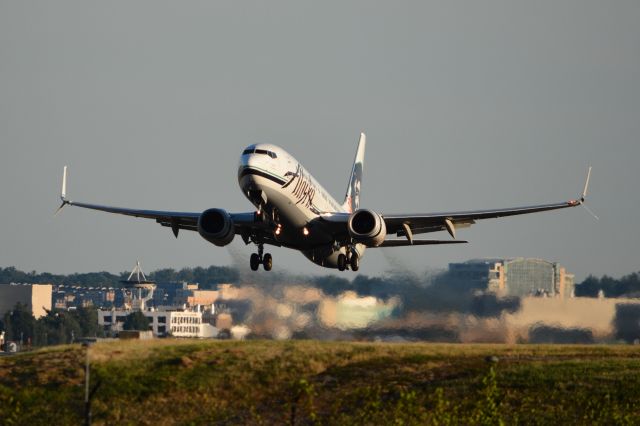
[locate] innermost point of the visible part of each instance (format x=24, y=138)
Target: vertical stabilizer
x=352, y=198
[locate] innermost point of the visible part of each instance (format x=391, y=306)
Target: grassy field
x=307, y=382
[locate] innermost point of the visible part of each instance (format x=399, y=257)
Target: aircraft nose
x=247, y=162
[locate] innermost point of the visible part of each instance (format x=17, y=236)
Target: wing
x=404, y=243
x=243, y=222
x=403, y=225
x=406, y=225
x=409, y=224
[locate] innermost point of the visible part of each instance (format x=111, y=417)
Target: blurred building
x=165, y=293
x=350, y=311
x=194, y=297
x=515, y=277
x=36, y=297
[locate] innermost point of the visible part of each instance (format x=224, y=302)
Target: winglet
x=63, y=192
x=586, y=186
x=584, y=196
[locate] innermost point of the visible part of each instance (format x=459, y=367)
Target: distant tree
x=94, y=279
x=12, y=275
x=136, y=321
x=87, y=319
x=19, y=322
x=217, y=274
x=588, y=288
x=58, y=327
x=186, y=274
x=627, y=322
x=206, y=277
x=591, y=286
x=164, y=275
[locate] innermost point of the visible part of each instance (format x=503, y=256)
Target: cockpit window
x=260, y=151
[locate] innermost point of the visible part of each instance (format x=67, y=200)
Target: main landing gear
x=350, y=260
x=258, y=259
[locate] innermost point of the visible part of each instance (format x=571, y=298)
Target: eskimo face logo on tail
x=303, y=190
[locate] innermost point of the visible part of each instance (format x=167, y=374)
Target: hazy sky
x=466, y=105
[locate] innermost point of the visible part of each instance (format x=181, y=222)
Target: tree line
x=60, y=327
x=210, y=276
x=207, y=277
x=57, y=327
x=628, y=285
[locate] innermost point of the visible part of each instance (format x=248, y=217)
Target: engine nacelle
x=216, y=226
x=367, y=227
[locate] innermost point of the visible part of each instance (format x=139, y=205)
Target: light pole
x=87, y=393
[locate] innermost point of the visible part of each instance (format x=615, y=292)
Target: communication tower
x=137, y=289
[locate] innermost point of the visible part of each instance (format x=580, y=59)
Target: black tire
x=267, y=262
x=342, y=262
x=254, y=262
x=355, y=262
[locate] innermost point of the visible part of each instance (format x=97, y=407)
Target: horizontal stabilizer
x=405, y=243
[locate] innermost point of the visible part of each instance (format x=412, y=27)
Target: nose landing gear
x=258, y=259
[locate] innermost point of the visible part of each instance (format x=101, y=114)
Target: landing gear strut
x=258, y=259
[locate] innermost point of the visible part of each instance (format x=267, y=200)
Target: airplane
x=293, y=210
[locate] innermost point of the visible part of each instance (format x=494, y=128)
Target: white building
x=163, y=323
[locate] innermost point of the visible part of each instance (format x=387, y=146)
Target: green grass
x=309, y=382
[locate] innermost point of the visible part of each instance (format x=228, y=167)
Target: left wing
x=404, y=243
x=406, y=225
x=450, y=221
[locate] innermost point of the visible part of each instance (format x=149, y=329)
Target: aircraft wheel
x=342, y=262
x=267, y=262
x=254, y=261
x=355, y=262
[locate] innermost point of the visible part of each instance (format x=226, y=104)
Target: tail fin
x=352, y=197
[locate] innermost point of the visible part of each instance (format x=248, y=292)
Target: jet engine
x=216, y=226
x=367, y=227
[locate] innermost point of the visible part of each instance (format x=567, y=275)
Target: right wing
x=243, y=222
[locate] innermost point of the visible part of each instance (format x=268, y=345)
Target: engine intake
x=216, y=226
x=367, y=227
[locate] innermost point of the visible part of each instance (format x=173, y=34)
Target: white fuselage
x=278, y=185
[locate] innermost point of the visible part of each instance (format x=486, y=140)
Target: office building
x=514, y=277
x=36, y=297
